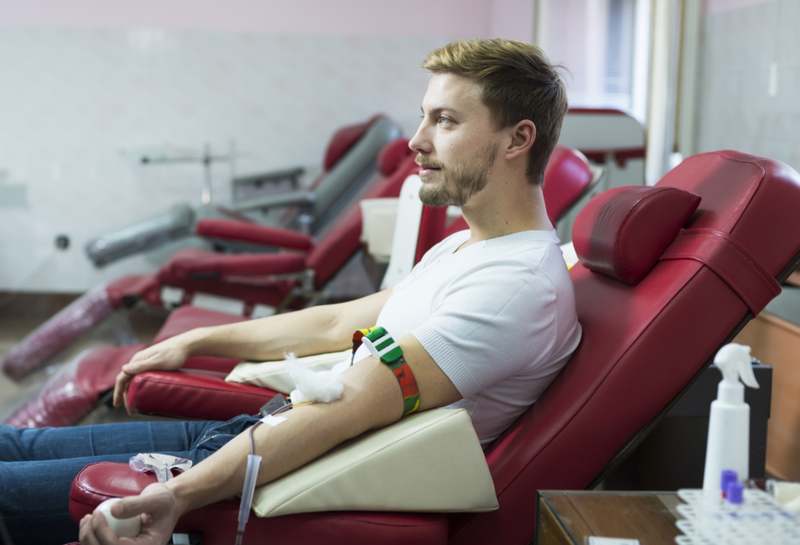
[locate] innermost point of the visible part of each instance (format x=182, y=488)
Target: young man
x=485, y=321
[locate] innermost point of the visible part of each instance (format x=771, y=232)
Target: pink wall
x=458, y=18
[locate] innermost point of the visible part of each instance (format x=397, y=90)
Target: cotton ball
x=322, y=386
x=129, y=527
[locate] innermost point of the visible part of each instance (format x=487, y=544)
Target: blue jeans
x=37, y=466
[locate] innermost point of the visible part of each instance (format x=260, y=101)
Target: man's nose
x=420, y=141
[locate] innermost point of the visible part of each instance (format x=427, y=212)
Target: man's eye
x=443, y=119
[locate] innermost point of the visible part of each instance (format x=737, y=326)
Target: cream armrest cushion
x=426, y=462
x=272, y=374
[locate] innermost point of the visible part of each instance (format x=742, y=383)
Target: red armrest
x=194, y=394
x=254, y=233
x=200, y=264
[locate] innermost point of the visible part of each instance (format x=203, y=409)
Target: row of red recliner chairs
x=667, y=274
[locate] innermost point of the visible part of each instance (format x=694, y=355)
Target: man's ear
x=523, y=134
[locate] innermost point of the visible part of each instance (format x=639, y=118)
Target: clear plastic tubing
x=253, y=463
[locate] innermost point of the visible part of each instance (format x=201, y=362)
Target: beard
x=457, y=184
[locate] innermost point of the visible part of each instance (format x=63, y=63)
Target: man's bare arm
x=316, y=330
x=371, y=399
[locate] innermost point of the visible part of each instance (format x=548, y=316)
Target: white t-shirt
x=498, y=317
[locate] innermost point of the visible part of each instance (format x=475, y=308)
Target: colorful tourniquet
x=384, y=348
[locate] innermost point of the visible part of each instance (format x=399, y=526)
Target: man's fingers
x=94, y=530
x=148, y=501
x=120, y=387
x=101, y=530
x=86, y=535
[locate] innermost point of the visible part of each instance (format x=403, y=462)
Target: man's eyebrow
x=435, y=112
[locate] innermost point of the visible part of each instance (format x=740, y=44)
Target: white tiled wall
x=736, y=110
x=72, y=100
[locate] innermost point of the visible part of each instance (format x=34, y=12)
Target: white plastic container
x=729, y=422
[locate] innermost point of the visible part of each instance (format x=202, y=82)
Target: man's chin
x=432, y=196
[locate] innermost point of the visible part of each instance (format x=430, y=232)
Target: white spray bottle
x=729, y=423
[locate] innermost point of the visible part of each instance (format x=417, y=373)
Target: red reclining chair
x=662, y=283
x=247, y=277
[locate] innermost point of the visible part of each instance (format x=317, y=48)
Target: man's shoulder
x=528, y=254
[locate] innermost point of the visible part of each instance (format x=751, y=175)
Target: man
x=485, y=321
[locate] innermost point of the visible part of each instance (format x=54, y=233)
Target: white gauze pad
x=321, y=386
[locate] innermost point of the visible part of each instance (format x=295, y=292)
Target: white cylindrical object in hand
x=129, y=527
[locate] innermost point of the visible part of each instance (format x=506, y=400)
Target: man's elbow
x=372, y=398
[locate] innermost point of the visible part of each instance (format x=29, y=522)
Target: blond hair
x=517, y=82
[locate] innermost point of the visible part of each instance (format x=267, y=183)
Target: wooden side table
x=569, y=517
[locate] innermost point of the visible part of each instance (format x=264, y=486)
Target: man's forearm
x=269, y=338
x=316, y=330
x=308, y=432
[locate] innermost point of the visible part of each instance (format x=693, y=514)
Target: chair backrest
x=644, y=344
x=339, y=243
x=567, y=177
x=341, y=178
x=350, y=164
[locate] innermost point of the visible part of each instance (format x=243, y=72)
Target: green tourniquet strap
x=382, y=346
x=387, y=350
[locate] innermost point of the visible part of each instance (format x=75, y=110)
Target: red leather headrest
x=343, y=140
x=624, y=231
x=391, y=155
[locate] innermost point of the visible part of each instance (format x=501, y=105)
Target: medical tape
x=273, y=420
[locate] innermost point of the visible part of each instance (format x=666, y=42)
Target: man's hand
x=168, y=355
x=159, y=513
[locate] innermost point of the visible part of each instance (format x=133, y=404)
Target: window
x=604, y=44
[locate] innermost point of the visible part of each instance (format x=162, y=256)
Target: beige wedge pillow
x=427, y=462
x=272, y=375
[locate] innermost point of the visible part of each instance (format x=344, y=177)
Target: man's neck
x=504, y=209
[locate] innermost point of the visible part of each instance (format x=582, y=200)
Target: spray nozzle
x=735, y=362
